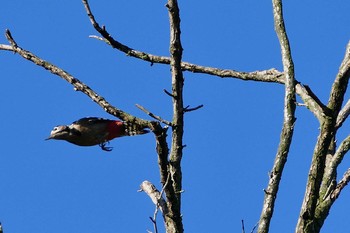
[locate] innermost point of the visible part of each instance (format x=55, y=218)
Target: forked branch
x=314, y=209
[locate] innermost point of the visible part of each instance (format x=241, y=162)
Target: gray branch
x=288, y=121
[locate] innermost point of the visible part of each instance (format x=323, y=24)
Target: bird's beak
x=48, y=138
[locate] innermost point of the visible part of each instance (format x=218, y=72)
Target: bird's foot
x=105, y=148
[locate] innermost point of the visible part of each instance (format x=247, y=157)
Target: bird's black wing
x=90, y=121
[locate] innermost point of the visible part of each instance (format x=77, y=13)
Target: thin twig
x=153, y=115
x=242, y=223
x=168, y=93
x=243, y=229
x=188, y=109
x=256, y=225
x=99, y=38
x=165, y=185
x=153, y=220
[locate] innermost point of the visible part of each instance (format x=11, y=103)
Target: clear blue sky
x=54, y=186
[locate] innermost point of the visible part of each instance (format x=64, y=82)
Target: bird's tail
x=132, y=129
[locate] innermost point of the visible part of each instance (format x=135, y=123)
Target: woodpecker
x=90, y=131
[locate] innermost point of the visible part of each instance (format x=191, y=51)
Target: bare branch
x=188, y=109
x=163, y=152
x=243, y=229
x=341, y=185
x=311, y=101
x=154, y=116
x=155, y=196
x=271, y=75
x=336, y=159
x=314, y=210
x=252, y=231
x=157, y=199
x=242, y=223
x=77, y=84
x=341, y=151
x=174, y=197
x=154, y=222
x=288, y=122
x=99, y=38
x=168, y=93
x=6, y=47
x=340, y=84
x=343, y=114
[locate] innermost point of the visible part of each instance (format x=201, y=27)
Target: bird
x=91, y=131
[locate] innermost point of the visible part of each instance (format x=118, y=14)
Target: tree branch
x=77, y=84
x=308, y=221
x=329, y=191
x=271, y=75
x=155, y=196
x=6, y=47
x=343, y=115
x=314, y=211
x=288, y=122
x=313, y=103
x=153, y=115
x=341, y=185
x=340, y=84
x=188, y=109
x=336, y=159
x=174, y=199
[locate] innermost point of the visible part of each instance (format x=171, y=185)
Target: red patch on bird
x=115, y=129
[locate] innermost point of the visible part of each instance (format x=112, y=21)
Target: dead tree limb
x=174, y=222
x=314, y=209
x=77, y=84
x=288, y=120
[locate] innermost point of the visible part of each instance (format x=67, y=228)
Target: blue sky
x=54, y=186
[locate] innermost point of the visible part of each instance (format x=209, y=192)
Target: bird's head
x=59, y=132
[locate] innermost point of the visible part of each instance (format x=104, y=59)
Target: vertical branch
x=174, y=202
x=315, y=206
x=340, y=84
x=329, y=189
x=288, y=121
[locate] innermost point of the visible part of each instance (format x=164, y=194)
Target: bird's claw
x=105, y=148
